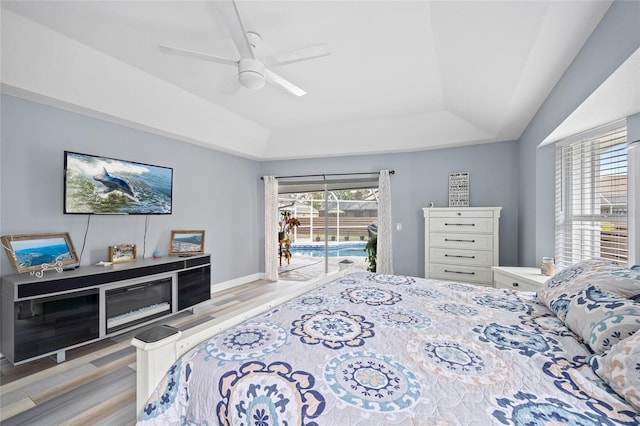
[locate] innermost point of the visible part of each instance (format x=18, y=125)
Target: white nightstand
x=518, y=278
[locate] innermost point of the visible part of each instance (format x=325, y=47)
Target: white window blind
x=591, y=197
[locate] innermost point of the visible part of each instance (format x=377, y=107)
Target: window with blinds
x=591, y=197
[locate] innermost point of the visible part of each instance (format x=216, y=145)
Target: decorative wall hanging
x=459, y=189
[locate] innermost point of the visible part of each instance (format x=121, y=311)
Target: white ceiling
x=402, y=76
x=618, y=97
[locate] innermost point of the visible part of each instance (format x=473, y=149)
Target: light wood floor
x=96, y=383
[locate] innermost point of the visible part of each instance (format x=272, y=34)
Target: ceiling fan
x=252, y=72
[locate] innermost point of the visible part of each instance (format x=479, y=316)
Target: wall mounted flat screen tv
x=102, y=185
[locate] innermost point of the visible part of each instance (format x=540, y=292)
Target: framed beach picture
x=122, y=253
x=31, y=252
x=186, y=242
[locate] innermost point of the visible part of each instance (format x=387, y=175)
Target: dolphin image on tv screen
x=103, y=185
x=114, y=183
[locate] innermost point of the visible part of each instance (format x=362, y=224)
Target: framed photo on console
x=33, y=252
x=186, y=242
x=122, y=253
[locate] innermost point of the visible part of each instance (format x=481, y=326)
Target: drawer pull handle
x=459, y=224
x=462, y=257
x=460, y=241
x=514, y=284
x=460, y=272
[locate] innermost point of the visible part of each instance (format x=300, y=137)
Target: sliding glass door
x=335, y=223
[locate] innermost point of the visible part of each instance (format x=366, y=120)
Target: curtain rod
x=324, y=175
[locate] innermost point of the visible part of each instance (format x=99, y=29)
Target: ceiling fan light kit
x=252, y=72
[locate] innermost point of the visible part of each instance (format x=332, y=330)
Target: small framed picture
x=122, y=253
x=186, y=242
x=33, y=252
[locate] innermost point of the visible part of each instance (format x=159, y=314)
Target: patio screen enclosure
x=330, y=211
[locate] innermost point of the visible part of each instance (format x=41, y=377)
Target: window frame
x=579, y=160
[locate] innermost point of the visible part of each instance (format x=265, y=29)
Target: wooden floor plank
x=69, y=385
x=114, y=356
x=195, y=322
x=11, y=410
x=47, y=382
x=104, y=409
x=68, y=405
x=125, y=416
x=11, y=372
x=61, y=368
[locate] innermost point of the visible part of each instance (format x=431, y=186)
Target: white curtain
x=270, y=228
x=384, y=258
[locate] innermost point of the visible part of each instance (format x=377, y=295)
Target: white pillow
x=620, y=369
x=602, y=318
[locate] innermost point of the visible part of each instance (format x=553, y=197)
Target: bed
x=378, y=349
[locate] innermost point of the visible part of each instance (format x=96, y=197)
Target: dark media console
x=60, y=311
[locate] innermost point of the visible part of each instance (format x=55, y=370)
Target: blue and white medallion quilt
x=372, y=349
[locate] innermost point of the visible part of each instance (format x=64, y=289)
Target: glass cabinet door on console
x=51, y=323
x=194, y=286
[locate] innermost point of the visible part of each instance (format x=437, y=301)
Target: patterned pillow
x=602, y=318
x=560, y=289
x=620, y=369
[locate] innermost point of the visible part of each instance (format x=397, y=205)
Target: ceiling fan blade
x=276, y=80
x=298, y=55
x=229, y=11
x=197, y=55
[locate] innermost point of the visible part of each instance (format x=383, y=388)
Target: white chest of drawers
x=461, y=244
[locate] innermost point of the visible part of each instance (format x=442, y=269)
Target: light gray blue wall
x=220, y=193
x=612, y=42
x=212, y=190
x=422, y=177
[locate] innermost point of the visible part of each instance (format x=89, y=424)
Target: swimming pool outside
x=336, y=249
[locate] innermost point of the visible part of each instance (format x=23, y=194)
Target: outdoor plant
x=371, y=249
x=287, y=223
